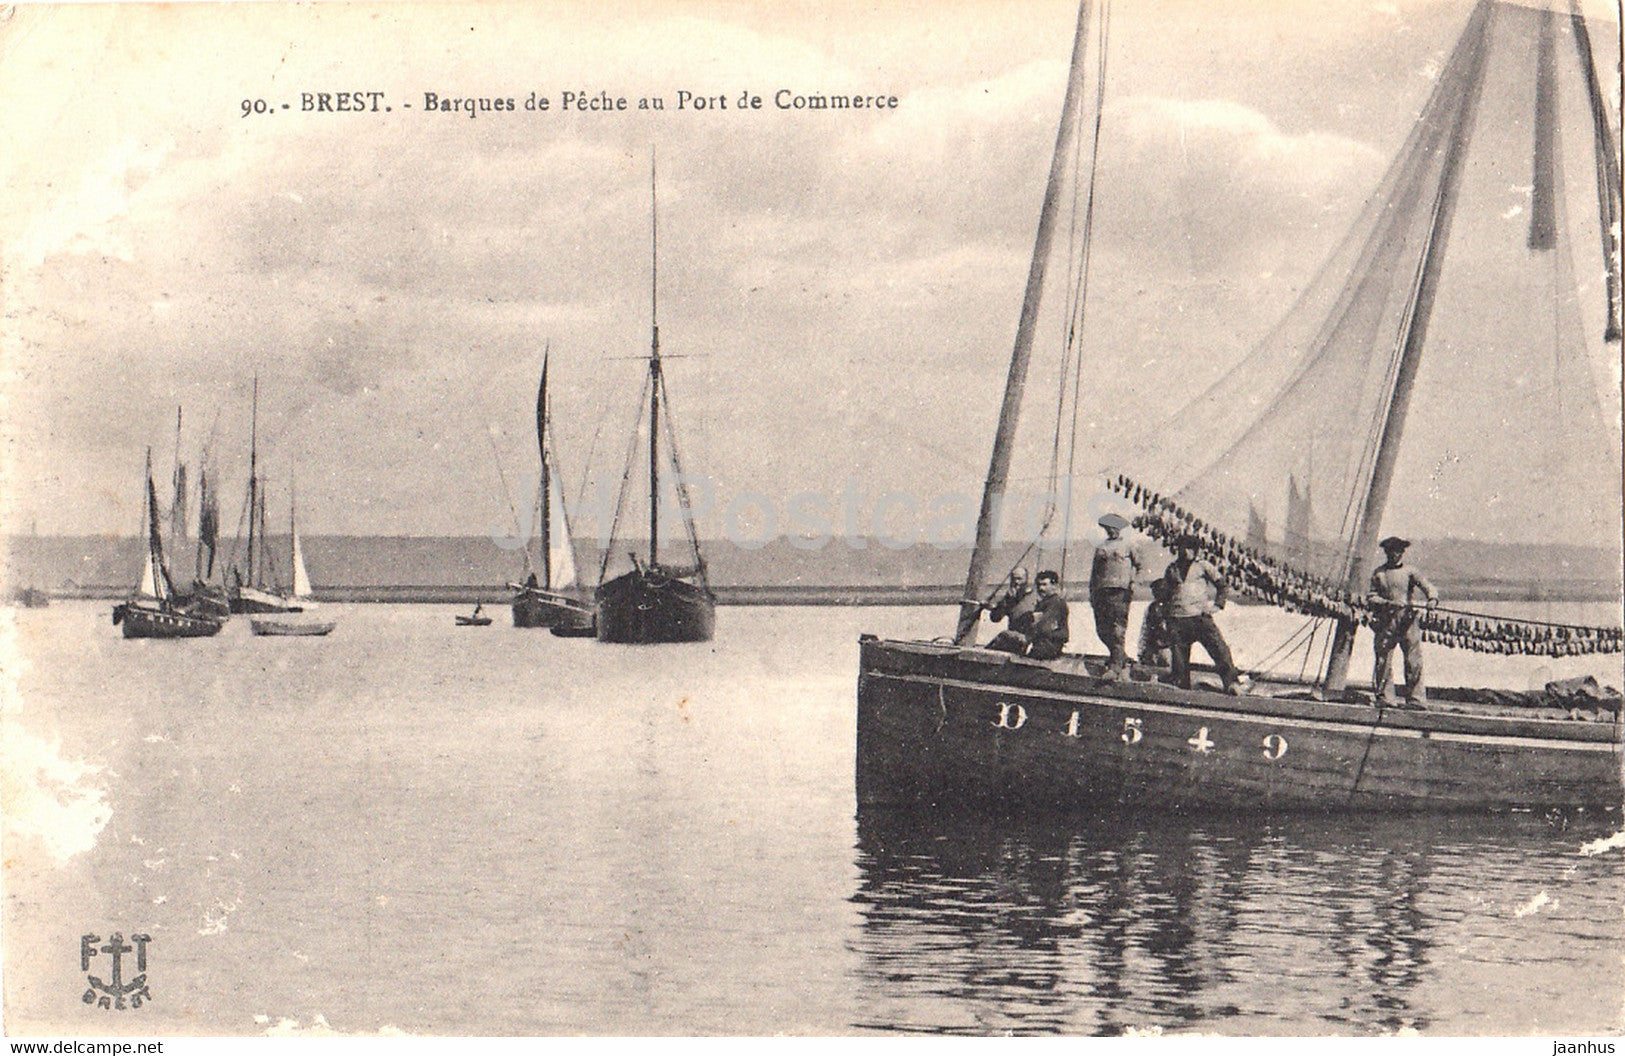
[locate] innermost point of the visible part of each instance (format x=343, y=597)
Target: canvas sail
x=301, y=578
x=561, y=558
x=149, y=583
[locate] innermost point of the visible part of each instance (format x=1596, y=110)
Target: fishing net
x=1465, y=327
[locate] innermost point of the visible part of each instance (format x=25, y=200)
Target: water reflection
x=1237, y=926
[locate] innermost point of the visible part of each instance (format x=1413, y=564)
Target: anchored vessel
x=950, y=722
x=301, y=619
x=253, y=588
x=156, y=610
x=552, y=599
x=656, y=602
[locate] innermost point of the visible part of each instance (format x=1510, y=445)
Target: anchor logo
x=113, y=993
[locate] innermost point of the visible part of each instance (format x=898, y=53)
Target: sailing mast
x=654, y=370
x=541, y=444
x=293, y=532
x=1010, y=411
x=253, y=476
x=1473, y=48
x=177, y=482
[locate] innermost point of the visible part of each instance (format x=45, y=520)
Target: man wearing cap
x=1050, y=630
x=1195, y=592
x=1394, y=588
x=1016, y=606
x=1111, y=583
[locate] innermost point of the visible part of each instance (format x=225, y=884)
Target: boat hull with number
x=940, y=724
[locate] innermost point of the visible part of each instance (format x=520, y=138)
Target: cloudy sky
x=845, y=284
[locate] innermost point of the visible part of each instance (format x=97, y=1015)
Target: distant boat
x=475, y=619
x=251, y=590
x=655, y=602
x=552, y=599
x=156, y=611
x=302, y=621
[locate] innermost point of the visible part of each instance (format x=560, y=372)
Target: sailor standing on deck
x=1111, y=583
x=1195, y=592
x=1393, y=590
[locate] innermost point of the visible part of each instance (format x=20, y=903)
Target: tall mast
x=177, y=512
x=547, y=511
x=1475, y=42
x=654, y=369
x=253, y=476
x=1010, y=412
x=1608, y=193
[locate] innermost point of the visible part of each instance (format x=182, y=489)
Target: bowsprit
x=113, y=993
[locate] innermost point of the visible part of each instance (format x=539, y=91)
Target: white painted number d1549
x=1274, y=746
x=1131, y=731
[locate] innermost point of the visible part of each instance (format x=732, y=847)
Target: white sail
x=149, y=580
x=561, y=558
x=301, y=578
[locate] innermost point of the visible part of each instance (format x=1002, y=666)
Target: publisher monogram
x=115, y=993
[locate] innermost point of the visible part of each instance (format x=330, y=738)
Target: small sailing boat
x=301, y=619
x=941, y=722
x=155, y=610
x=477, y=618
x=253, y=587
x=655, y=602
x=553, y=598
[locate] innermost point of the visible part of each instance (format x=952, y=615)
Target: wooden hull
x=252, y=600
x=537, y=608
x=941, y=724
x=209, y=601
x=473, y=621
x=276, y=627
x=144, y=621
x=643, y=608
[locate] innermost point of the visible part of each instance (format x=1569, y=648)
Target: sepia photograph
x=867, y=518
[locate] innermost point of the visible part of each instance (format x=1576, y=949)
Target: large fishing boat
x=156, y=610
x=947, y=721
x=656, y=602
x=552, y=596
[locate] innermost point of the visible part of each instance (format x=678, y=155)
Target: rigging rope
x=626, y=477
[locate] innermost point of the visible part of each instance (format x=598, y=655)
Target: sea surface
x=413, y=827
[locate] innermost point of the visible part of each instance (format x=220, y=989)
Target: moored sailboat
x=302, y=619
x=551, y=598
x=949, y=722
x=155, y=610
x=253, y=586
x=657, y=602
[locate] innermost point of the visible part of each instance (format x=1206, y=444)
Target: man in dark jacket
x=1050, y=630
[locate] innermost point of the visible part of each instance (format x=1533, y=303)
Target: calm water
x=435, y=830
